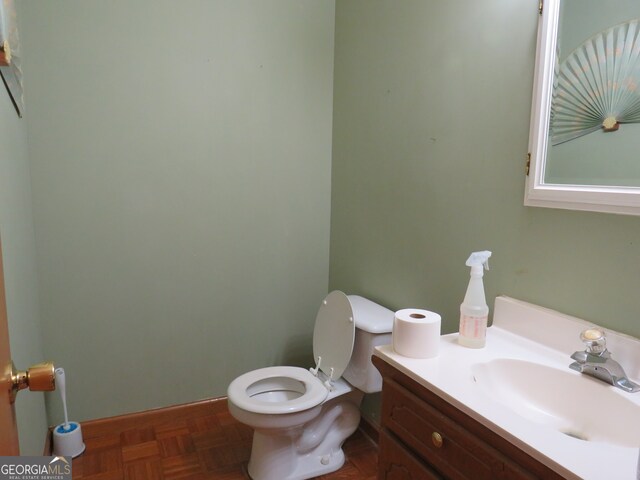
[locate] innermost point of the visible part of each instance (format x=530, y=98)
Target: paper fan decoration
x=598, y=85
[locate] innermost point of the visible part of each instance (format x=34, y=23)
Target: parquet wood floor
x=196, y=441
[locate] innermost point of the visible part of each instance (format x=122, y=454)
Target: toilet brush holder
x=67, y=437
x=67, y=442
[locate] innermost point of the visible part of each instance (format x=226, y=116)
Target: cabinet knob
x=436, y=438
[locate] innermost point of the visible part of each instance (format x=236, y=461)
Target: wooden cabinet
x=425, y=437
x=398, y=463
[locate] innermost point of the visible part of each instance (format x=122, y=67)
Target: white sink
x=520, y=386
x=567, y=401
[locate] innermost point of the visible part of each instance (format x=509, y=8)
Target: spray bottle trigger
x=477, y=259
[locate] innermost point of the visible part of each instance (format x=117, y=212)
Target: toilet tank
x=373, y=327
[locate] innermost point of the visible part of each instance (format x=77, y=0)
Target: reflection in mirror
x=10, y=71
x=585, y=130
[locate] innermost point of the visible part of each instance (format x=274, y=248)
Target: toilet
x=302, y=417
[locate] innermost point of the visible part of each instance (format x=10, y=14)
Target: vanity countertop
x=526, y=332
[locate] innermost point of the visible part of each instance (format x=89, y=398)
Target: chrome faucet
x=596, y=361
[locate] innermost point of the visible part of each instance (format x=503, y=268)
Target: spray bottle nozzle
x=479, y=259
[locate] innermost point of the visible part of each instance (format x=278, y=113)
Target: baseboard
x=48, y=443
x=104, y=426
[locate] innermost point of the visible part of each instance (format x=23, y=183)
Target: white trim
x=621, y=200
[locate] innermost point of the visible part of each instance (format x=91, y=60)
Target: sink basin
x=572, y=403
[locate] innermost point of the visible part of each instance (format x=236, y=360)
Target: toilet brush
x=62, y=386
x=67, y=437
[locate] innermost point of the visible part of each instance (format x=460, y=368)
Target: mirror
x=10, y=71
x=585, y=117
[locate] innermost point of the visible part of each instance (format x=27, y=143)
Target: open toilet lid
x=334, y=334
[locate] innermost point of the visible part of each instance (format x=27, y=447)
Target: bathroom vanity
x=512, y=410
x=424, y=437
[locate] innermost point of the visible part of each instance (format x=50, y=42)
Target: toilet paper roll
x=416, y=333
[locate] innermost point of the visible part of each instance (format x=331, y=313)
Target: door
x=8, y=428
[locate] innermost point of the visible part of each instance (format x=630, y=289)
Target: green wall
x=20, y=273
x=431, y=121
x=181, y=158
x=181, y=170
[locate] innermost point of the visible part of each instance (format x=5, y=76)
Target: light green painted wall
x=181, y=156
x=431, y=120
x=20, y=273
x=181, y=182
x=430, y=134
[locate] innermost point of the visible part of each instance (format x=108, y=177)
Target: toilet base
x=308, y=466
x=306, y=451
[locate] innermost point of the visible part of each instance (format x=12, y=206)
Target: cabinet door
x=458, y=454
x=397, y=463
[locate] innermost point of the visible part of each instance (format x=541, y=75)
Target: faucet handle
x=594, y=339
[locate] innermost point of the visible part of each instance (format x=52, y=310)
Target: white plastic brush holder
x=68, y=443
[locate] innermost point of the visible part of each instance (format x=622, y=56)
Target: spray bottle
x=474, y=311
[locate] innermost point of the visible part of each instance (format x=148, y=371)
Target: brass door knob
x=437, y=440
x=37, y=378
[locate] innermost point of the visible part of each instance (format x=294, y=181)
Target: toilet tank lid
x=369, y=316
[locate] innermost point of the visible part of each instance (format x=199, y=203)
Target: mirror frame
x=621, y=200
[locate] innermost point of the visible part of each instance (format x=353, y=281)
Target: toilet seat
x=333, y=336
x=244, y=390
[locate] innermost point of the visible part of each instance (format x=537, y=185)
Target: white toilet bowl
x=276, y=397
x=297, y=433
x=302, y=417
